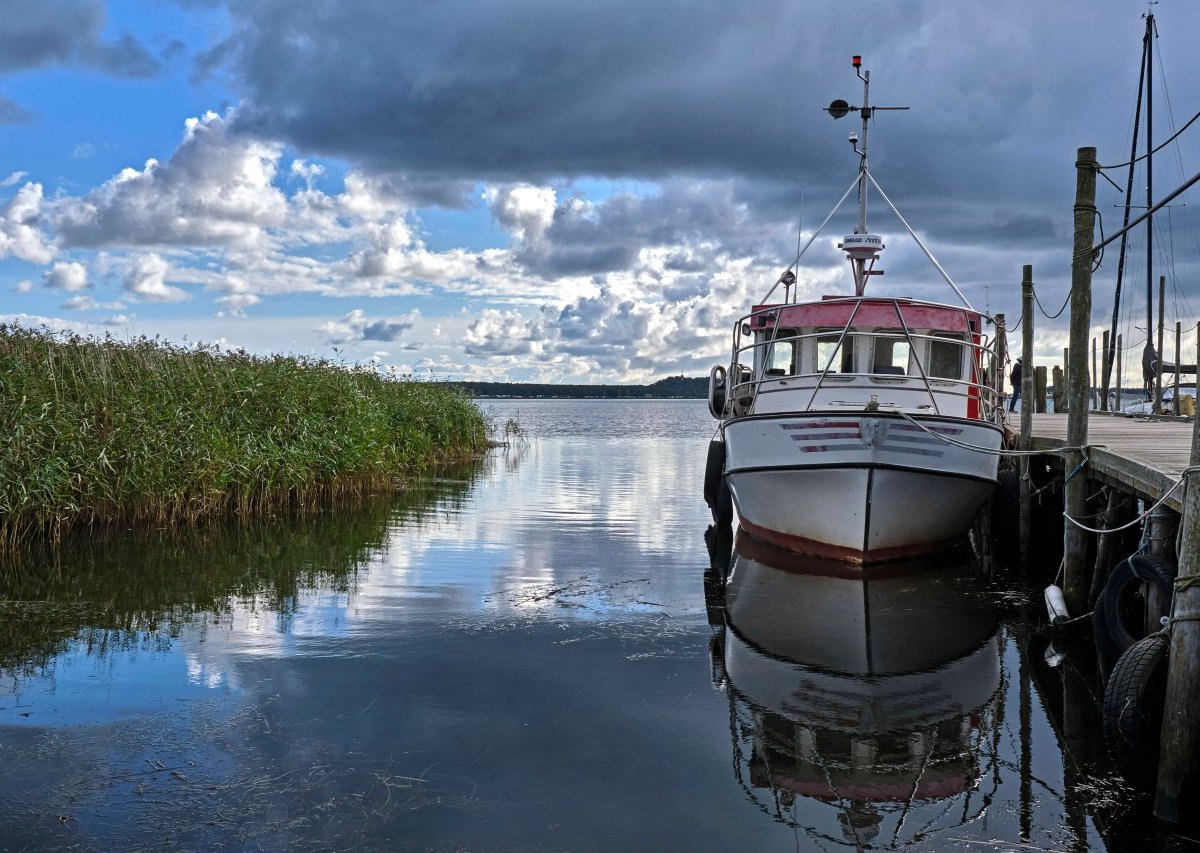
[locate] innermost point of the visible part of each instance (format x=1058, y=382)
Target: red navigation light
x=857, y=61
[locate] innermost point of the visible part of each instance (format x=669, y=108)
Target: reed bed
x=97, y=432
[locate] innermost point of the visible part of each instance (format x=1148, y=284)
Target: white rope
x=1191, y=469
x=992, y=451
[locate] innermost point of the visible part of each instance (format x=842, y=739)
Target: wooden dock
x=1142, y=455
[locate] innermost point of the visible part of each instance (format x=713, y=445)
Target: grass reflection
x=113, y=594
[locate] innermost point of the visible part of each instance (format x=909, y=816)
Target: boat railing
x=747, y=385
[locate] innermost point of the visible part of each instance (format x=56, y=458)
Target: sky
x=563, y=190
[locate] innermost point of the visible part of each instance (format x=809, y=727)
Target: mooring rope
x=1191, y=469
x=999, y=451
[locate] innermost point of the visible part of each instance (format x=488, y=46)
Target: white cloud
x=145, y=278
x=13, y=179
x=355, y=326
x=67, y=275
x=216, y=189
x=524, y=210
x=20, y=227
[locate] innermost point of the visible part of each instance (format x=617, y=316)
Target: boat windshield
x=891, y=356
x=838, y=359
x=781, y=355
x=946, y=356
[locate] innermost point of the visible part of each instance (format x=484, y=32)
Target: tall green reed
x=97, y=432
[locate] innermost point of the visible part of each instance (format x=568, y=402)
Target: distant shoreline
x=672, y=388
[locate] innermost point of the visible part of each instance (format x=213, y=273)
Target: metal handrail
x=987, y=396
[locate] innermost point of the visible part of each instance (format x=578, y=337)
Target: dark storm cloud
x=536, y=91
x=69, y=32
x=534, y=88
x=384, y=330
x=528, y=88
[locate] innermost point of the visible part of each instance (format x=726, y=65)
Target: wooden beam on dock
x=1181, y=709
x=1145, y=456
x=1028, y=395
x=1075, y=570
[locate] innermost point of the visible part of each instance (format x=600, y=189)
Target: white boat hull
x=859, y=487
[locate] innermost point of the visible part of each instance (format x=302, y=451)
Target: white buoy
x=1056, y=606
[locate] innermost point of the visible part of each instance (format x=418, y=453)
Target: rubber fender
x=1133, y=709
x=1124, y=594
x=723, y=509
x=714, y=469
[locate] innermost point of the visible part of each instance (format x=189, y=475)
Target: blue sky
x=528, y=190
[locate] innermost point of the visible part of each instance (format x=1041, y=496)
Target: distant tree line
x=673, y=387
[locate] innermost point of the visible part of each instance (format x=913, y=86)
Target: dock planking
x=1142, y=455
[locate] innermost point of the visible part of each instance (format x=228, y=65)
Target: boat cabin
x=843, y=354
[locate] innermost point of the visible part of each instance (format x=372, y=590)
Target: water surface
x=527, y=655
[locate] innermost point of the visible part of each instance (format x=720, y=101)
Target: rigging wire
x=1157, y=148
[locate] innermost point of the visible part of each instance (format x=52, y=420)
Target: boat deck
x=1142, y=455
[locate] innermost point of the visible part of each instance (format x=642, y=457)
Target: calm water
x=526, y=655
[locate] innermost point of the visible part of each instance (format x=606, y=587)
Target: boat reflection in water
x=862, y=711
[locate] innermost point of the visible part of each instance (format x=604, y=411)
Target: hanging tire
x=714, y=468
x=1133, y=709
x=1124, y=598
x=1106, y=648
x=723, y=508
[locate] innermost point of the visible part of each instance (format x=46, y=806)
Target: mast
x=1150, y=182
x=861, y=246
x=1110, y=357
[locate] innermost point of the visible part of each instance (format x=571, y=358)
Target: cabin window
x=839, y=360
x=891, y=356
x=945, y=357
x=781, y=354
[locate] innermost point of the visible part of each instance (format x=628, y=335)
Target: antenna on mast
x=861, y=246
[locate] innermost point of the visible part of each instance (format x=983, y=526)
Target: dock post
x=1162, y=288
x=1039, y=390
x=1093, y=396
x=1066, y=382
x=1181, y=708
x=1028, y=383
x=1075, y=571
x=1105, y=373
x=1175, y=397
x=1120, y=375
x=1001, y=357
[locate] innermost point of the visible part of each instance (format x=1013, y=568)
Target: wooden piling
x=1028, y=383
x=1066, y=372
x=1001, y=357
x=1093, y=403
x=1120, y=375
x=1181, y=708
x=1075, y=571
x=1039, y=390
x=1175, y=396
x=1162, y=288
x=1105, y=373
x=1060, y=390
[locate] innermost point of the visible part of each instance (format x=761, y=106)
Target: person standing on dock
x=1015, y=378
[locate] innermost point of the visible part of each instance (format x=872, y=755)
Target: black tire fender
x=1122, y=589
x=723, y=510
x=1133, y=709
x=714, y=469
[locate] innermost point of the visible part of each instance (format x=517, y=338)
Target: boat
x=862, y=709
x=860, y=428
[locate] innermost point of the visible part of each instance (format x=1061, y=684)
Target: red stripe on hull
x=842, y=553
